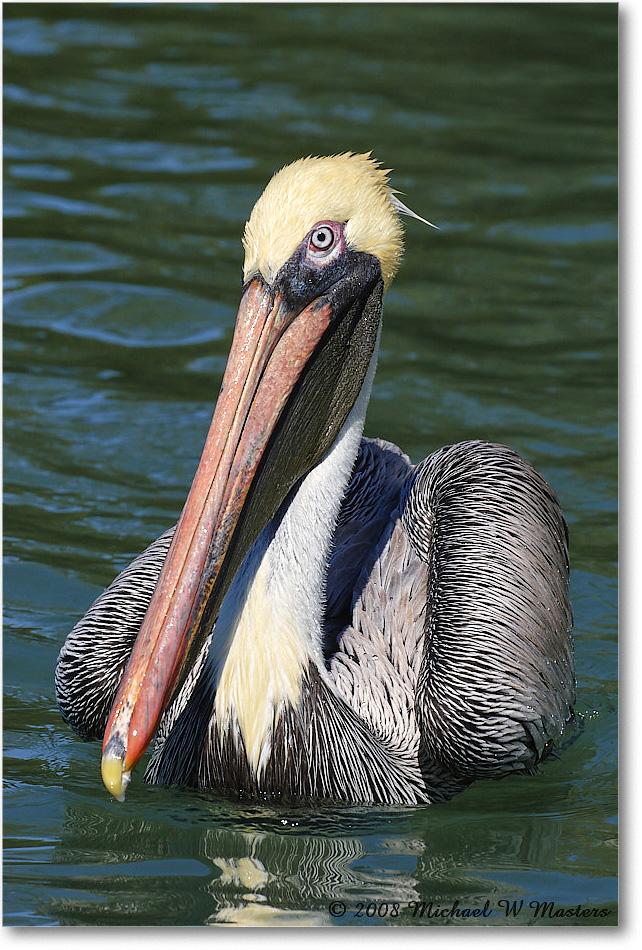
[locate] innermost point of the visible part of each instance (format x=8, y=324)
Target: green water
x=136, y=141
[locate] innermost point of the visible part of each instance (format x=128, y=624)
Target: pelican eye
x=324, y=242
x=322, y=238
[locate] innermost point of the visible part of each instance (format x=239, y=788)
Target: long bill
x=272, y=344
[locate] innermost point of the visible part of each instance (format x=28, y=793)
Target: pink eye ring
x=325, y=241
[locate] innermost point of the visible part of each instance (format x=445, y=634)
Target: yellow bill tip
x=115, y=777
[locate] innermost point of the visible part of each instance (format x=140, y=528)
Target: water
x=137, y=138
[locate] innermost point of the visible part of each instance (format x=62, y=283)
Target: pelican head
x=322, y=245
x=349, y=190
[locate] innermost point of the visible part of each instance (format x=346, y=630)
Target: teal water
x=137, y=138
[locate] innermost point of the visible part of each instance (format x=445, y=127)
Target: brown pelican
x=327, y=619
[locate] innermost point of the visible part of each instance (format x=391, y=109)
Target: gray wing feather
x=92, y=660
x=376, y=663
x=497, y=683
